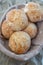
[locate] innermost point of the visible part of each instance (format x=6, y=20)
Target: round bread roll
x=31, y=30
x=20, y=42
x=32, y=6
x=33, y=12
x=18, y=18
x=6, y=29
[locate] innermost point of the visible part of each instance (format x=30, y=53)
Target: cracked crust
x=33, y=12
x=6, y=29
x=20, y=42
x=31, y=30
x=18, y=18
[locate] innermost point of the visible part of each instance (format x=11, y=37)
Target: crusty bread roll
x=33, y=12
x=31, y=30
x=18, y=18
x=6, y=29
x=20, y=42
x=32, y=6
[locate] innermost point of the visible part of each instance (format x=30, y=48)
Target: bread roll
x=33, y=12
x=6, y=29
x=18, y=18
x=31, y=30
x=20, y=42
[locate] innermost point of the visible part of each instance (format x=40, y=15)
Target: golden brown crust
x=31, y=30
x=33, y=12
x=32, y=5
x=18, y=18
x=34, y=15
x=6, y=29
x=19, y=42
